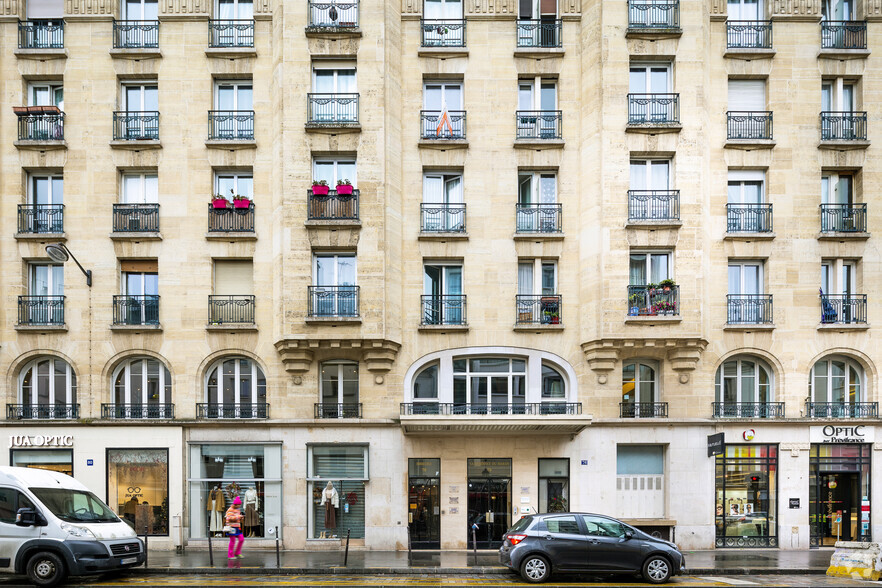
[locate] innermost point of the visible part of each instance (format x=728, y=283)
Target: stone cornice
x=683, y=353
x=298, y=354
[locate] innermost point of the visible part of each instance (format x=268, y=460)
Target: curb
x=439, y=571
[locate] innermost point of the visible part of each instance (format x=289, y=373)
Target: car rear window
x=563, y=524
x=521, y=525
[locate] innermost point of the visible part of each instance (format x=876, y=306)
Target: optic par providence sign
x=842, y=434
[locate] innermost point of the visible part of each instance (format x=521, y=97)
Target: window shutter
x=747, y=95
x=39, y=9
x=233, y=277
x=548, y=7
x=147, y=266
x=526, y=9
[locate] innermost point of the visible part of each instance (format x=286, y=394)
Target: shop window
x=55, y=460
x=336, y=479
x=554, y=485
x=839, y=493
x=220, y=473
x=137, y=488
x=640, y=481
x=837, y=380
x=747, y=496
x=48, y=388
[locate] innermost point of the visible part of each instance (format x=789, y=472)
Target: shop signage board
x=794, y=503
x=715, y=444
x=41, y=441
x=842, y=434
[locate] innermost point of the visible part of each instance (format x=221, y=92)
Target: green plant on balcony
x=667, y=284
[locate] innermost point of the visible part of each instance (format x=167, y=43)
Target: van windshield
x=75, y=506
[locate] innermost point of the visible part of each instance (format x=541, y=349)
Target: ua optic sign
x=41, y=441
x=842, y=434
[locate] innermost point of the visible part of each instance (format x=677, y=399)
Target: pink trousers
x=240, y=538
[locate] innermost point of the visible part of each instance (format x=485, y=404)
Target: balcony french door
x=141, y=101
x=46, y=194
x=143, y=290
x=233, y=103
x=745, y=194
x=638, y=390
x=647, y=80
x=437, y=97
x=745, y=281
x=339, y=394
x=234, y=36
x=538, y=95
x=443, y=191
x=751, y=10
x=144, y=12
x=537, y=193
x=48, y=281
x=442, y=284
x=330, y=82
x=142, y=389
x=334, y=276
x=650, y=177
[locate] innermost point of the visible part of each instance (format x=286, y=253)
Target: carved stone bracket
x=298, y=354
x=683, y=353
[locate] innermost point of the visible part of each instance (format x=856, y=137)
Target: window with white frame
x=745, y=277
x=235, y=382
x=140, y=96
x=743, y=380
x=538, y=300
x=443, y=209
x=537, y=109
x=499, y=381
x=333, y=77
x=838, y=95
x=752, y=10
x=745, y=202
x=142, y=381
x=425, y=384
x=650, y=267
x=139, y=9
x=140, y=188
x=46, y=94
x=837, y=380
x=334, y=290
x=233, y=95
x=234, y=9
x=443, y=300
x=649, y=78
x=838, y=10
x=650, y=196
x=837, y=188
x=333, y=170
x=537, y=209
x=650, y=174
x=234, y=183
x=46, y=189
x=46, y=383
x=339, y=389
x=639, y=387
x=838, y=277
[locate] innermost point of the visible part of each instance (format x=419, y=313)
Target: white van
x=51, y=526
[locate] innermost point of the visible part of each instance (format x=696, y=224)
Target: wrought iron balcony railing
x=333, y=15
x=223, y=34
x=135, y=218
x=41, y=34
x=653, y=109
x=45, y=126
x=539, y=309
x=749, y=125
x=538, y=218
x=231, y=125
x=443, y=33
x=21, y=412
x=231, y=220
x=138, y=411
x=643, y=410
x=749, y=309
x=653, y=300
x=653, y=205
x=539, y=124
x=841, y=410
x=332, y=109
x=748, y=410
x=235, y=309
x=332, y=206
x=653, y=14
x=843, y=34
x=41, y=310
x=540, y=33
x=522, y=409
x=844, y=218
x=749, y=34
x=843, y=126
x=332, y=301
x=843, y=309
x=136, y=34
x=749, y=218
x=447, y=309
x=41, y=218
x=244, y=410
x=443, y=218
x=346, y=410
x=434, y=126
x=130, y=309
x=136, y=126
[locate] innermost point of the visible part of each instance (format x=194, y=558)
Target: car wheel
x=46, y=569
x=535, y=569
x=657, y=570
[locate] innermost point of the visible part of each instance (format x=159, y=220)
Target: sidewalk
x=714, y=562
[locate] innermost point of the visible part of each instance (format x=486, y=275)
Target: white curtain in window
x=525, y=278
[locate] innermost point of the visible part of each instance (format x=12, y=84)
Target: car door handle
x=594, y=541
x=549, y=537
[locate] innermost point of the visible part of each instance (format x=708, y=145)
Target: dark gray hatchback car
x=581, y=542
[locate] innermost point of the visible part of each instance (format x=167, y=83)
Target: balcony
x=748, y=410
x=137, y=411
x=230, y=125
x=443, y=310
x=843, y=34
x=844, y=126
x=443, y=218
x=136, y=34
x=538, y=219
x=643, y=410
x=653, y=110
x=235, y=309
x=431, y=417
x=538, y=125
x=843, y=309
x=748, y=34
x=40, y=219
x=650, y=16
x=443, y=33
x=228, y=221
x=749, y=309
x=332, y=302
x=136, y=218
x=542, y=33
x=653, y=300
x=136, y=126
x=23, y=412
x=337, y=411
x=748, y=218
x=41, y=311
x=136, y=310
x=433, y=126
x=231, y=34
x=332, y=16
x=333, y=111
x=538, y=310
x=749, y=127
x=844, y=218
x=41, y=34
x=653, y=206
x=250, y=410
x=43, y=125
x=332, y=206
x=841, y=410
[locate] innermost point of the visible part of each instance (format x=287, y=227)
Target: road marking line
x=731, y=581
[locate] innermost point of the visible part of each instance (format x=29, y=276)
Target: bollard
x=409, y=554
x=210, y=552
x=145, y=547
x=346, y=555
x=475, y=544
x=278, y=565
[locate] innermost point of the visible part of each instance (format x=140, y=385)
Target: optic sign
x=842, y=434
x=41, y=441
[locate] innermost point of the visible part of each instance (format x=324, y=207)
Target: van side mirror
x=629, y=535
x=26, y=517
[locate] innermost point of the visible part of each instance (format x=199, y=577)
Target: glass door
x=443, y=283
x=48, y=281
x=47, y=194
x=745, y=10
x=235, y=101
x=424, y=503
x=142, y=288
x=489, y=511
x=235, y=10
x=141, y=103
x=335, y=291
x=745, y=283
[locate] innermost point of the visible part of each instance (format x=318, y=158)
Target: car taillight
x=515, y=539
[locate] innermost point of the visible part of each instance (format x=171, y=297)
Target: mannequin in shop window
x=217, y=505
x=252, y=505
x=331, y=501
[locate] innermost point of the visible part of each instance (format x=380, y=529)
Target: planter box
x=344, y=190
x=320, y=190
x=241, y=203
x=218, y=203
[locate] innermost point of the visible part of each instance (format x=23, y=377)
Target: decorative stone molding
x=717, y=10
x=186, y=7
x=298, y=354
x=10, y=8
x=873, y=10
x=683, y=353
x=808, y=10
x=89, y=7
x=490, y=8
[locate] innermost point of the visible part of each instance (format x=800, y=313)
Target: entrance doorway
x=489, y=501
x=424, y=503
x=840, y=507
x=839, y=493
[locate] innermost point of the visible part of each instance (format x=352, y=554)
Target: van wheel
x=46, y=569
x=535, y=569
x=657, y=570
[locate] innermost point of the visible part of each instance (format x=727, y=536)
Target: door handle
x=549, y=537
x=594, y=541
